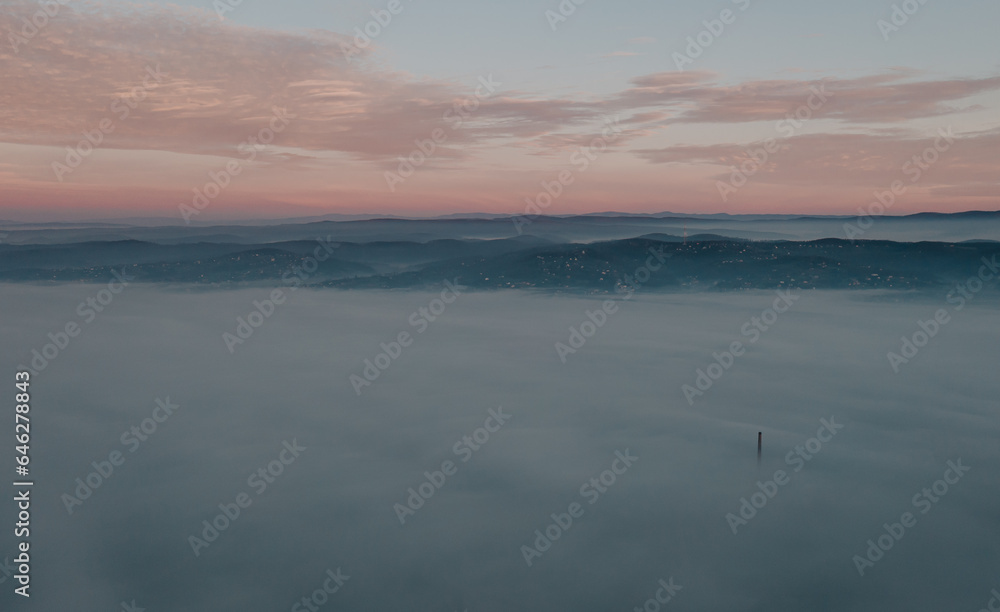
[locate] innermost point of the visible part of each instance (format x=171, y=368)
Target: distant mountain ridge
x=700, y=262
x=341, y=217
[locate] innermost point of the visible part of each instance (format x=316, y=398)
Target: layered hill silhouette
x=701, y=262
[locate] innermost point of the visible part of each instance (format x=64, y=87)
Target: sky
x=208, y=111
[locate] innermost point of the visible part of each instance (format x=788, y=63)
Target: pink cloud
x=872, y=99
x=856, y=159
x=217, y=84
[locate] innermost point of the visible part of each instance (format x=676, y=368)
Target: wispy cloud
x=968, y=169
x=222, y=82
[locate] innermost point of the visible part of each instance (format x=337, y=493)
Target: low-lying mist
x=647, y=396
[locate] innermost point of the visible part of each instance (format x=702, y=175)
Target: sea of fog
x=432, y=484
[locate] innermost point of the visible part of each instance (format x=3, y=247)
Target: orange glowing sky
x=172, y=96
